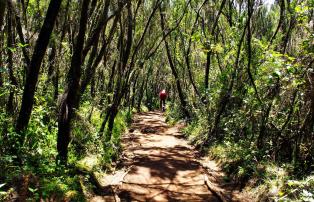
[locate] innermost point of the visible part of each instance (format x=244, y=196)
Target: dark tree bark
x=90, y=69
x=13, y=81
x=70, y=97
x=135, y=85
x=225, y=96
x=38, y=55
x=208, y=56
x=281, y=19
x=110, y=84
x=122, y=81
x=24, y=9
x=249, y=47
x=1, y=62
x=141, y=93
x=230, y=13
x=273, y=92
x=21, y=35
x=308, y=124
x=188, y=51
x=292, y=24
x=3, y=4
x=97, y=31
x=208, y=61
x=55, y=77
x=174, y=71
x=93, y=63
x=51, y=66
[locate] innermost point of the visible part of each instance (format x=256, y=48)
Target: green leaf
x=2, y=185
x=281, y=193
x=291, y=183
x=22, y=45
x=3, y=70
x=217, y=48
x=277, y=73
x=12, y=49
x=32, y=190
x=290, y=69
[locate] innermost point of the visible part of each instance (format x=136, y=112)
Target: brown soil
x=164, y=167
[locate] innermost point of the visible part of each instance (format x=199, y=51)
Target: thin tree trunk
x=51, y=66
x=230, y=9
x=208, y=56
x=141, y=94
x=93, y=64
x=174, y=70
x=96, y=32
x=225, y=97
x=13, y=81
x=187, y=54
x=281, y=18
x=90, y=70
x=20, y=34
x=70, y=97
x=122, y=81
x=38, y=55
x=56, y=73
x=3, y=4
x=249, y=46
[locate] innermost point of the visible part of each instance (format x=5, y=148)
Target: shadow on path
x=163, y=167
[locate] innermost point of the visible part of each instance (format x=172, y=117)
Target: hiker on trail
x=162, y=97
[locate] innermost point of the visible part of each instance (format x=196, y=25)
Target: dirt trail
x=163, y=166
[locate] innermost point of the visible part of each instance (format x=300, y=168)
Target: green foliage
x=38, y=151
x=60, y=187
x=37, y=154
x=173, y=113
x=112, y=149
x=266, y=180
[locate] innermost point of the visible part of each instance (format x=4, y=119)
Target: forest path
x=164, y=167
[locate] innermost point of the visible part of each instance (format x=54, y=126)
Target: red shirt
x=163, y=95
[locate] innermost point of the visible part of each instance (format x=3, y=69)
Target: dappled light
x=162, y=166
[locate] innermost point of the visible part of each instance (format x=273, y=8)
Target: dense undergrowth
x=31, y=172
x=254, y=171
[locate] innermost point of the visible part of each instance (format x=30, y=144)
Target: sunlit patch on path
x=164, y=166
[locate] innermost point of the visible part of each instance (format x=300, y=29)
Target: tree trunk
x=174, y=70
x=93, y=64
x=225, y=96
x=187, y=57
x=51, y=66
x=90, y=70
x=56, y=73
x=141, y=94
x=281, y=18
x=38, y=55
x=13, y=81
x=3, y=4
x=123, y=79
x=208, y=57
x=249, y=47
x=70, y=97
x=20, y=34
